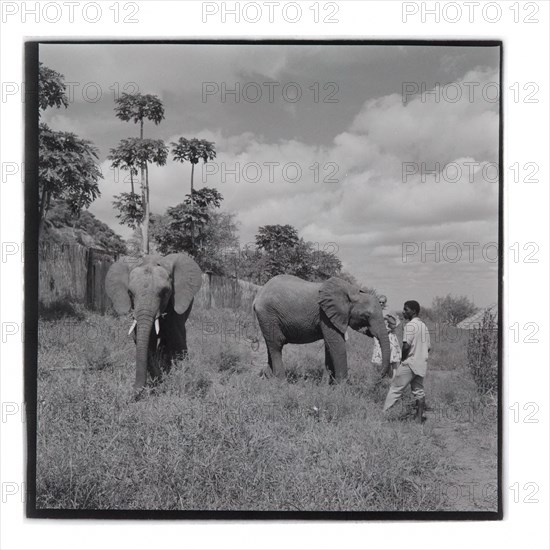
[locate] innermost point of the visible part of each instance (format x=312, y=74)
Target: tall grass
x=483, y=355
x=217, y=434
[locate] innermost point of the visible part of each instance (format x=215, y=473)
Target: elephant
x=293, y=311
x=160, y=291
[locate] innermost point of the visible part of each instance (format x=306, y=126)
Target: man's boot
x=420, y=407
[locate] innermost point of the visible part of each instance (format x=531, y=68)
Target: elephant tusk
x=132, y=328
x=157, y=325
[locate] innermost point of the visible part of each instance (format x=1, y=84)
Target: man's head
x=382, y=300
x=411, y=309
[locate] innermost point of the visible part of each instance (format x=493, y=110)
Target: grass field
x=217, y=434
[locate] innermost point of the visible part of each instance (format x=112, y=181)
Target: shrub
x=451, y=309
x=483, y=354
x=59, y=309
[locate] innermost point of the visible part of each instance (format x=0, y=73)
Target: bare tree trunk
x=192, y=174
x=146, y=214
x=145, y=200
x=192, y=204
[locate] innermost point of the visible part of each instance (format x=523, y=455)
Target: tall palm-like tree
x=137, y=108
x=193, y=150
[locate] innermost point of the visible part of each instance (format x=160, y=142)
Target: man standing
x=414, y=361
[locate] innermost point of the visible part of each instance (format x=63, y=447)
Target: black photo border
x=31, y=52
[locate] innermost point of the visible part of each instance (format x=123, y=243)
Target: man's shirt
x=415, y=333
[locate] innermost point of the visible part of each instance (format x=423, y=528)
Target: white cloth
x=395, y=350
x=415, y=333
x=392, y=321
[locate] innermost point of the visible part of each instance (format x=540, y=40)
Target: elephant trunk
x=143, y=334
x=378, y=330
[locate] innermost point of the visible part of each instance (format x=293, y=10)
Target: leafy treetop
x=193, y=150
x=275, y=237
x=138, y=107
x=67, y=168
x=51, y=88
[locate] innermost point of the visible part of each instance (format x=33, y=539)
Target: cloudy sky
x=395, y=179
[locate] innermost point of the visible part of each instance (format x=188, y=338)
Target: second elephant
x=293, y=311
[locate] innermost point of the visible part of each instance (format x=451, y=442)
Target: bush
x=451, y=309
x=483, y=355
x=60, y=309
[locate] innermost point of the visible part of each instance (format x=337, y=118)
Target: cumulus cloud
x=386, y=177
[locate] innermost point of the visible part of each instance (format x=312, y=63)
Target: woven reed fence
x=226, y=292
x=74, y=273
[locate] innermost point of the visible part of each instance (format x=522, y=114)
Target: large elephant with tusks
x=293, y=311
x=159, y=290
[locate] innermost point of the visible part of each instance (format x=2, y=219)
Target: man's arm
x=405, y=351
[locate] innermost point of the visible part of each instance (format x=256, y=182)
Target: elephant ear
x=334, y=299
x=187, y=277
x=116, y=285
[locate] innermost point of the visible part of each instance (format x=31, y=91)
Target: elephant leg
x=164, y=357
x=174, y=338
x=177, y=348
x=269, y=361
x=274, y=340
x=275, y=359
x=335, y=350
x=183, y=347
x=329, y=364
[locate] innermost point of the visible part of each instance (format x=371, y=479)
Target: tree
x=326, y=265
x=217, y=232
x=193, y=150
x=51, y=88
x=124, y=157
x=129, y=205
x=67, y=169
x=86, y=229
x=139, y=107
x=136, y=108
x=67, y=164
x=175, y=230
x=273, y=238
x=452, y=309
x=130, y=209
x=148, y=151
x=205, y=197
x=279, y=249
x=220, y=253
